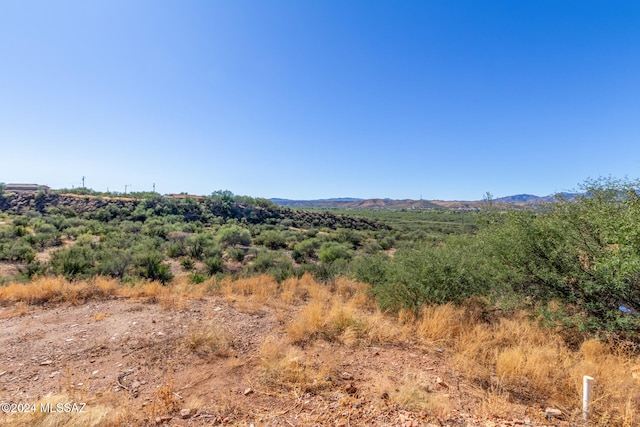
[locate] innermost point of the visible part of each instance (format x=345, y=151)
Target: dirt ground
x=137, y=356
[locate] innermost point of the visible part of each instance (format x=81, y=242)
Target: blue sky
x=326, y=98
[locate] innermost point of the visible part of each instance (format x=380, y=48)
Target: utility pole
x=83, y=182
x=154, y=187
x=125, y=188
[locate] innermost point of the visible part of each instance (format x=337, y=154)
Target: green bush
x=213, y=265
x=272, y=239
x=114, y=262
x=236, y=254
x=450, y=272
x=584, y=253
x=233, y=235
x=187, y=264
x=332, y=251
x=276, y=264
x=74, y=262
x=151, y=267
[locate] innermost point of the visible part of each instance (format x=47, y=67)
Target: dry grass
x=282, y=365
x=57, y=290
x=94, y=414
x=515, y=358
x=209, y=339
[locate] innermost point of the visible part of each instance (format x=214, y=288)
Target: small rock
x=384, y=396
x=162, y=420
x=350, y=389
x=247, y=391
x=441, y=383
x=185, y=413
x=2, y=373
x=326, y=379
x=46, y=362
x=553, y=412
x=94, y=372
x=135, y=384
x=36, y=378
x=438, y=349
x=346, y=376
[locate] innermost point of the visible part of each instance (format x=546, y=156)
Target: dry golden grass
x=98, y=316
x=93, y=414
x=282, y=364
x=514, y=356
x=209, y=339
x=56, y=290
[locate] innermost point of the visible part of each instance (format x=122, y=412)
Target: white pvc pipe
x=587, y=386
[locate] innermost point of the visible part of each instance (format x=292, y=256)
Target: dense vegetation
x=576, y=264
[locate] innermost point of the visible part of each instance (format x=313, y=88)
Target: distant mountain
x=520, y=200
x=531, y=199
x=354, y=203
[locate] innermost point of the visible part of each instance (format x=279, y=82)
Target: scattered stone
x=247, y=391
x=185, y=413
x=351, y=389
x=162, y=420
x=553, y=412
x=438, y=349
x=384, y=396
x=346, y=376
x=326, y=379
x=46, y=362
x=135, y=384
x=2, y=373
x=94, y=372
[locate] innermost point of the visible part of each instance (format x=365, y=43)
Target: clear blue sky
x=305, y=99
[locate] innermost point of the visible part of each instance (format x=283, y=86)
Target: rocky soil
x=143, y=359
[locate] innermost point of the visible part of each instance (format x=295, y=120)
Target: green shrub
x=187, y=264
x=236, y=254
x=276, y=264
x=450, y=272
x=74, y=262
x=332, y=251
x=22, y=251
x=213, y=265
x=114, y=262
x=151, y=267
x=233, y=235
x=272, y=239
x=176, y=249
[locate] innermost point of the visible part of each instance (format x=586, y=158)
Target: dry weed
x=281, y=364
x=92, y=414
x=209, y=339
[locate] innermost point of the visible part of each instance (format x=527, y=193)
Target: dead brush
x=293, y=291
x=258, y=289
x=416, y=393
x=441, y=324
x=165, y=400
x=209, y=340
x=282, y=365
